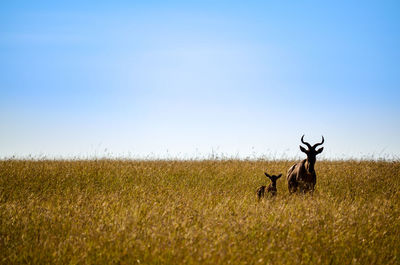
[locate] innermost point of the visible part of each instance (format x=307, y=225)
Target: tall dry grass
x=187, y=212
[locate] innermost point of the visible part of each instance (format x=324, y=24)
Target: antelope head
x=311, y=152
x=273, y=178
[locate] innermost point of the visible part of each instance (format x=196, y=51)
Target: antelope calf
x=301, y=176
x=271, y=189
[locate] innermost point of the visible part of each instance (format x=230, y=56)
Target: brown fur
x=261, y=192
x=271, y=189
x=301, y=176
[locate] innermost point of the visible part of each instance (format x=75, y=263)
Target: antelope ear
x=303, y=149
x=280, y=175
x=320, y=150
x=266, y=174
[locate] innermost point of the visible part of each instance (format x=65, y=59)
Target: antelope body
x=301, y=176
x=271, y=189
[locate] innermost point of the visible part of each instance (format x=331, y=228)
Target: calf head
x=273, y=178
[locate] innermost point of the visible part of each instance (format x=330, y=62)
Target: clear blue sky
x=183, y=78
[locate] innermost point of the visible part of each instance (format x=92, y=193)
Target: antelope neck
x=309, y=166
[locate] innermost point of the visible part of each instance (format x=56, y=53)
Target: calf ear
x=266, y=174
x=320, y=150
x=303, y=149
x=280, y=175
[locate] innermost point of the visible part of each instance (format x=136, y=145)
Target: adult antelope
x=301, y=176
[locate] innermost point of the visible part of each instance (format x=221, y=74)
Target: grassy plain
x=189, y=212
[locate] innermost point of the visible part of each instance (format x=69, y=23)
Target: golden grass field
x=190, y=212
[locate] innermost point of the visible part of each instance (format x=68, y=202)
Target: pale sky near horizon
x=188, y=78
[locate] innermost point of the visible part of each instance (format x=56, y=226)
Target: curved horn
x=308, y=145
x=315, y=145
